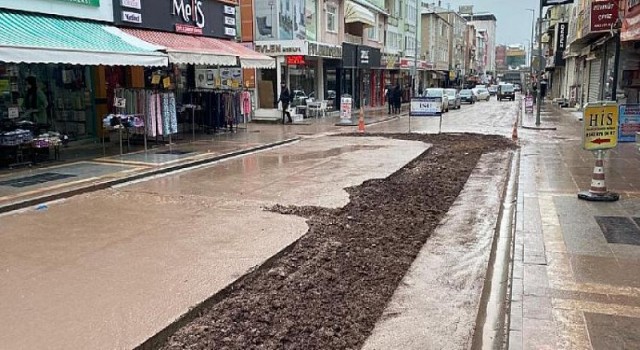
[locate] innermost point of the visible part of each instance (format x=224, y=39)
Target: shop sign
x=295, y=60
x=561, y=43
x=345, y=109
x=406, y=63
x=282, y=48
x=194, y=17
x=604, y=15
x=324, y=50
x=600, y=126
x=349, y=53
x=528, y=104
x=368, y=57
x=629, y=122
x=426, y=106
x=132, y=4
x=131, y=17
x=14, y=113
x=94, y=3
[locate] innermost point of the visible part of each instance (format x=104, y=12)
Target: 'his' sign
x=600, y=126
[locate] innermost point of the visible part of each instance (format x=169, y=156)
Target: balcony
x=352, y=39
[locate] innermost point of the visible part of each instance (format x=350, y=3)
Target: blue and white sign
x=426, y=107
x=629, y=119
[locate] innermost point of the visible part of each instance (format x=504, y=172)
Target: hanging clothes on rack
x=245, y=98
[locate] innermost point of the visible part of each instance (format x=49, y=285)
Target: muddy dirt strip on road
x=329, y=290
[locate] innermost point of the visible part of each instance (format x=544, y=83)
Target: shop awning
x=630, y=28
x=248, y=57
x=187, y=49
x=32, y=38
x=356, y=13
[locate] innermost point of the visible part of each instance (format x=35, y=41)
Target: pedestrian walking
x=397, y=98
x=285, y=99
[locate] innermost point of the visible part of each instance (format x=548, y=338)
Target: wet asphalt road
x=108, y=269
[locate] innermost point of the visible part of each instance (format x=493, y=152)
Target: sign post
x=528, y=104
x=427, y=107
x=345, y=110
x=599, y=133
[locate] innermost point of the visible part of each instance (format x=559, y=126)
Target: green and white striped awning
x=33, y=38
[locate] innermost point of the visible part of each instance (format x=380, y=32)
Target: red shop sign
x=295, y=60
x=604, y=14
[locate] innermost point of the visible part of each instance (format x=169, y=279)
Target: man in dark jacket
x=285, y=98
x=397, y=98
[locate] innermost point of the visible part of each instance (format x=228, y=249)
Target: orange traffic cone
x=361, y=120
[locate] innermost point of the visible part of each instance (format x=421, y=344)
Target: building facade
x=486, y=24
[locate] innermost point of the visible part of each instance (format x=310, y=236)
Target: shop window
x=332, y=18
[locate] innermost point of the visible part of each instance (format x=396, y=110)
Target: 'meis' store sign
x=195, y=17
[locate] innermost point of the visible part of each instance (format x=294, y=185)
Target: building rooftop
x=481, y=17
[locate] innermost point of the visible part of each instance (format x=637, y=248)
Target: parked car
x=439, y=93
x=517, y=87
x=454, y=98
x=493, y=90
x=506, y=92
x=468, y=96
x=482, y=94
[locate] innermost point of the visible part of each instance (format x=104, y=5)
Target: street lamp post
x=533, y=21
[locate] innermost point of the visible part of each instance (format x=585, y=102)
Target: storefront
x=203, y=88
x=50, y=90
x=360, y=66
x=308, y=68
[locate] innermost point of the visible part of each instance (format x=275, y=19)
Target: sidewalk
x=576, y=270
x=89, y=169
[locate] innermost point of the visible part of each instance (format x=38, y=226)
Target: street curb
x=375, y=121
x=491, y=330
x=541, y=128
x=110, y=183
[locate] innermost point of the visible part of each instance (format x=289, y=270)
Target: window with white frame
x=396, y=8
x=394, y=40
x=410, y=45
x=372, y=32
x=332, y=17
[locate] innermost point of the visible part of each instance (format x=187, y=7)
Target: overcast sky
x=514, y=21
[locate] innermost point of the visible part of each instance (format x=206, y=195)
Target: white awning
x=356, y=13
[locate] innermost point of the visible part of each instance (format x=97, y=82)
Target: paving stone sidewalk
x=576, y=274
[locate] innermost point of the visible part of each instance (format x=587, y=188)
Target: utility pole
x=415, y=50
x=540, y=67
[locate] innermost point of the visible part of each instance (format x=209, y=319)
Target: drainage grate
x=174, y=151
x=35, y=179
x=619, y=229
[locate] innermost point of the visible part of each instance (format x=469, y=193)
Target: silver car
x=454, y=98
x=438, y=92
x=482, y=93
